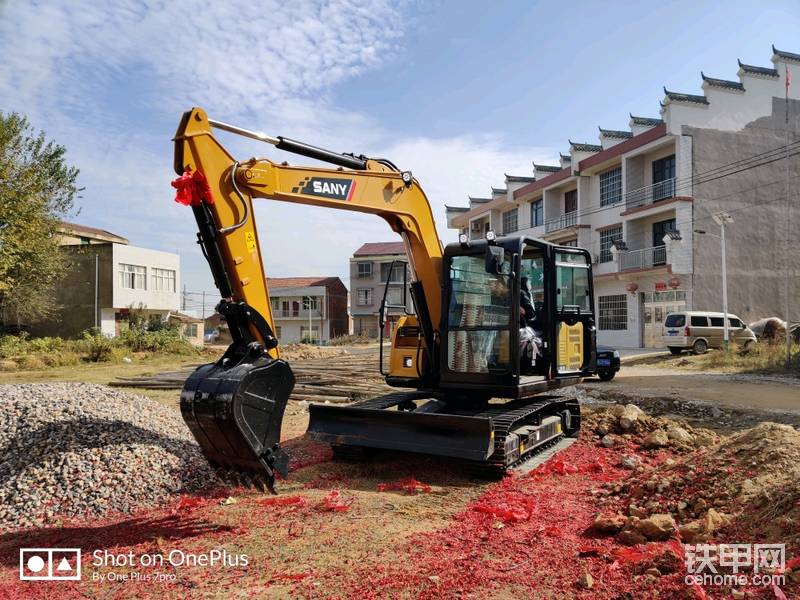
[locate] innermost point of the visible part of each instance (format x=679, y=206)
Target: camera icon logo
x=49, y=564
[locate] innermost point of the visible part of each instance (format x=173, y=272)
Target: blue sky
x=457, y=92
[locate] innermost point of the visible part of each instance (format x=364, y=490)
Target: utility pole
x=722, y=219
x=204, y=306
x=96, y=290
x=787, y=250
x=183, y=298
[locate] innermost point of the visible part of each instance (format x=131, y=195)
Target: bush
x=761, y=358
x=345, y=340
x=97, y=347
x=23, y=352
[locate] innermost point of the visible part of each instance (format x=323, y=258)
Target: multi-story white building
x=308, y=309
x=106, y=278
x=642, y=201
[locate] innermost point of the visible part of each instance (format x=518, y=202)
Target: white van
x=700, y=330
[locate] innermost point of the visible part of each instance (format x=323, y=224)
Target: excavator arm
x=234, y=407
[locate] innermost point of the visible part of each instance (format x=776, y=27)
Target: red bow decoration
x=192, y=189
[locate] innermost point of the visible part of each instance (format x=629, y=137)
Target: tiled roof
x=277, y=283
x=499, y=190
x=67, y=227
x=678, y=97
x=566, y=157
x=583, y=147
x=722, y=83
x=646, y=121
x=474, y=200
x=519, y=178
x=456, y=208
x=381, y=248
x=546, y=168
x=785, y=55
x=183, y=318
x=753, y=70
x=616, y=133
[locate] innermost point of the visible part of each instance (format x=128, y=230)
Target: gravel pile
x=72, y=449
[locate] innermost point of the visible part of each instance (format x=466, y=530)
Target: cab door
x=572, y=312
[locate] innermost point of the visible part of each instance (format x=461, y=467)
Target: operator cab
x=518, y=317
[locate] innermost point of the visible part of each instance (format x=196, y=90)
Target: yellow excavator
x=497, y=322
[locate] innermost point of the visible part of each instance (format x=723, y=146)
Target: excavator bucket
x=235, y=414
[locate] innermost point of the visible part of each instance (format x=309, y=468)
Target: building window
x=397, y=274
x=278, y=331
x=537, y=213
x=132, y=277
x=309, y=336
x=613, y=312
x=571, y=243
x=163, y=280
x=394, y=296
x=191, y=330
x=85, y=240
x=364, y=270
x=365, y=297
x=608, y=237
x=510, y=221
x=570, y=201
x=664, y=168
x=611, y=187
x=309, y=303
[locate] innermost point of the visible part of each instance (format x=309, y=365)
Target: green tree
x=37, y=189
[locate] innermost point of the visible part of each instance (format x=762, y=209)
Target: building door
x=655, y=306
x=570, y=201
x=660, y=229
x=664, y=178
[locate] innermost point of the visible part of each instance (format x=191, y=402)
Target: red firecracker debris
x=298, y=501
x=334, y=502
x=409, y=485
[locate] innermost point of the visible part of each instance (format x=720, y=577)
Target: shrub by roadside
x=21, y=352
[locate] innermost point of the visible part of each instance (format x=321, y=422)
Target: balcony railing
x=297, y=314
x=663, y=190
x=642, y=259
x=566, y=220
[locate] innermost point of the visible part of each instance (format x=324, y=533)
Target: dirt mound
x=745, y=487
x=748, y=483
x=629, y=425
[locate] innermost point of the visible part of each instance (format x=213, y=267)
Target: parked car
x=700, y=330
x=607, y=363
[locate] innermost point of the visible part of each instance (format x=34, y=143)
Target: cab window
x=572, y=282
x=479, y=317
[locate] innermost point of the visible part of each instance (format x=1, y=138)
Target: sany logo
x=338, y=189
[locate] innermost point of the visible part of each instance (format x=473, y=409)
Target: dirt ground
x=666, y=385
x=405, y=526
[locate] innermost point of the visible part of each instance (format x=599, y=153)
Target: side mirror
x=495, y=260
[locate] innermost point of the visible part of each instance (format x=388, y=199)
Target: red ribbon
x=192, y=188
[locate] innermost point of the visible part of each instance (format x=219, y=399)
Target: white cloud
x=87, y=72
